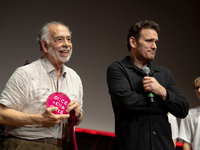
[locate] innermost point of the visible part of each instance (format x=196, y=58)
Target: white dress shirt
x=28, y=89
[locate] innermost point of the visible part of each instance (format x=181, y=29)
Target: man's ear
x=132, y=42
x=44, y=46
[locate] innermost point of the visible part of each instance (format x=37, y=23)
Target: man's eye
x=149, y=40
x=196, y=88
x=58, y=39
x=62, y=39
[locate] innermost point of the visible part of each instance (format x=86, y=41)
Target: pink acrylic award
x=59, y=100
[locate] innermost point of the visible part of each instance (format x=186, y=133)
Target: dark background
x=99, y=35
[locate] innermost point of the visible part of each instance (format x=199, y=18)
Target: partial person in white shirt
x=174, y=127
x=29, y=123
x=190, y=126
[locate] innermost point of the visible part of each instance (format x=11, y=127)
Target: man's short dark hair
x=137, y=27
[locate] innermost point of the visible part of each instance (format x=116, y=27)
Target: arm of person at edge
x=186, y=146
x=127, y=99
x=174, y=140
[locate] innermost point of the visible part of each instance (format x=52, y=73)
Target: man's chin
x=151, y=59
x=66, y=59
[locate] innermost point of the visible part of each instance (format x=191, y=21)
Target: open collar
x=50, y=68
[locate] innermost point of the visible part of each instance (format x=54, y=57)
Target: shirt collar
x=50, y=68
x=128, y=63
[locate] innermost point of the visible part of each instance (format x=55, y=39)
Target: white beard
x=56, y=53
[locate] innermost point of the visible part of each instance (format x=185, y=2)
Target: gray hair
x=195, y=81
x=44, y=32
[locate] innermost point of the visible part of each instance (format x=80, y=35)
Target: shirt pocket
x=40, y=98
x=72, y=96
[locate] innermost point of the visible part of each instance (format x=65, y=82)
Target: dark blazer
x=139, y=124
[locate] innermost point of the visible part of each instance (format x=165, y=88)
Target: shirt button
x=154, y=132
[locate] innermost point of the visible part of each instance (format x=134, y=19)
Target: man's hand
x=49, y=119
x=73, y=105
x=151, y=84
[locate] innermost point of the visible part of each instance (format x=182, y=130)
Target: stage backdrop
x=99, y=35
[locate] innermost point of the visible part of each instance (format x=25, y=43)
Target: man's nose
x=66, y=42
x=154, y=46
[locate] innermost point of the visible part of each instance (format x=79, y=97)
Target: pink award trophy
x=59, y=100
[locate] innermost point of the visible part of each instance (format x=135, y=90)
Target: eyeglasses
x=61, y=39
x=196, y=88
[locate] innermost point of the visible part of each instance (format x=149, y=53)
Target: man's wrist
x=79, y=115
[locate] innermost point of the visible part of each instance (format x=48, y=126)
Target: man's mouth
x=152, y=51
x=65, y=51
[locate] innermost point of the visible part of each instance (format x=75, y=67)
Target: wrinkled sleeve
x=174, y=126
x=81, y=96
x=14, y=94
x=176, y=104
x=185, y=132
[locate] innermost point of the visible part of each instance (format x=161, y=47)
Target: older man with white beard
x=29, y=123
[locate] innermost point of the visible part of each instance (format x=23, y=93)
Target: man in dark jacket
x=140, y=123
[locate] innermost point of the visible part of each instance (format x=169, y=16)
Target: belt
x=54, y=141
